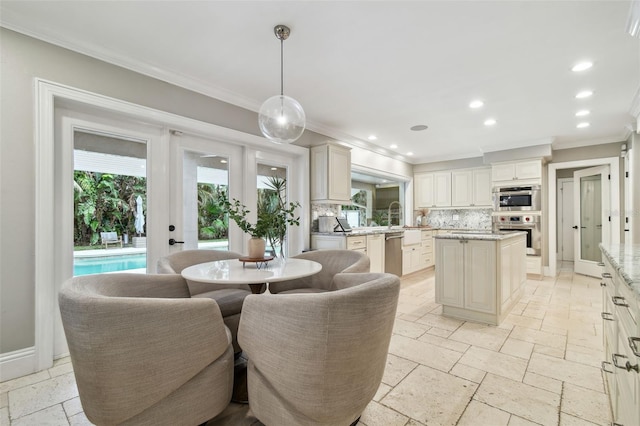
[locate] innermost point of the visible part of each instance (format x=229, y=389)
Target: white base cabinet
x=375, y=251
x=621, y=330
x=479, y=280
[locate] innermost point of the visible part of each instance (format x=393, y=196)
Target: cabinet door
x=339, y=173
x=503, y=172
x=528, y=169
x=375, y=251
x=423, y=190
x=480, y=276
x=449, y=272
x=482, y=188
x=461, y=188
x=319, y=163
x=442, y=189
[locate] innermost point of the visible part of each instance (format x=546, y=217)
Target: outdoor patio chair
x=110, y=238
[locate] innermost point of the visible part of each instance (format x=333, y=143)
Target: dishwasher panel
x=393, y=253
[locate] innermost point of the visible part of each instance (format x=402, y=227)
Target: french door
x=592, y=218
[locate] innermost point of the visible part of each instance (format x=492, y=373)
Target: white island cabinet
x=479, y=276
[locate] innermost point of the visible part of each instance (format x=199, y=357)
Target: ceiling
x=362, y=68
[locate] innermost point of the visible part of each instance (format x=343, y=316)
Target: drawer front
x=356, y=243
x=427, y=235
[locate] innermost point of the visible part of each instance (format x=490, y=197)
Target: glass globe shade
x=281, y=119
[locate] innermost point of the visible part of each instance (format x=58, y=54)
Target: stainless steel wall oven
x=527, y=223
x=517, y=198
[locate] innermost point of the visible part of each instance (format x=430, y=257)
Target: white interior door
x=591, y=218
x=565, y=223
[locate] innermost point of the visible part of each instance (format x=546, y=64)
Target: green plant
x=273, y=215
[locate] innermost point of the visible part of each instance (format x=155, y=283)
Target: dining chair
x=318, y=358
x=144, y=352
x=332, y=261
x=229, y=297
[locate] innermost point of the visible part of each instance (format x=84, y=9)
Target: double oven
x=518, y=208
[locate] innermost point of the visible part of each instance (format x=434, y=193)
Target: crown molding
x=589, y=142
x=519, y=144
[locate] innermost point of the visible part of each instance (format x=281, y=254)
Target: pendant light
x=281, y=118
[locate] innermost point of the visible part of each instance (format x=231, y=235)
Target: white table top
x=233, y=272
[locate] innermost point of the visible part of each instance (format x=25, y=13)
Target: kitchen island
x=480, y=275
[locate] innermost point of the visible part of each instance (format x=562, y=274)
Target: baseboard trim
x=17, y=363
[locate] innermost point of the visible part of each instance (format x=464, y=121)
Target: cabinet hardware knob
x=600, y=263
x=603, y=284
x=606, y=275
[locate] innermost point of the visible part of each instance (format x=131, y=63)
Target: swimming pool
x=99, y=265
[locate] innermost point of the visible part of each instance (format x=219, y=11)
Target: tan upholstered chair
x=333, y=262
x=228, y=297
x=318, y=359
x=144, y=352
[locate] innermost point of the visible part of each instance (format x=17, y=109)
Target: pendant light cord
x=281, y=67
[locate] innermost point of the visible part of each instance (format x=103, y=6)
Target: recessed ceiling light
x=223, y=161
x=393, y=146
x=583, y=112
x=419, y=127
x=584, y=94
x=409, y=153
x=274, y=168
x=583, y=125
x=490, y=122
x=476, y=104
x=582, y=66
x=372, y=137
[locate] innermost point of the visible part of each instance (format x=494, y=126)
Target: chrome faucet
x=399, y=212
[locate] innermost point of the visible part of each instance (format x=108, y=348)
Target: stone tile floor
x=539, y=367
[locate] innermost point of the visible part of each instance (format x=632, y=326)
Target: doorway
x=555, y=220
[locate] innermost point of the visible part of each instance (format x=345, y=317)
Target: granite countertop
x=385, y=230
x=480, y=235
x=625, y=258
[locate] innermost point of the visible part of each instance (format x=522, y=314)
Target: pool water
x=99, y=265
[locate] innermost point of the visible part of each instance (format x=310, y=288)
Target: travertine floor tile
x=517, y=398
x=538, y=337
x=494, y=362
x=586, y=404
x=484, y=336
x=81, y=420
x=517, y=348
x=431, y=396
x=478, y=413
x=423, y=353
x=24, y=381
x=4, y=399
x=32, y=398
x=60, y=369
x=469, y=373
x=523, y=321
x=445, y=343
x=72, y=406
x=4, y=416
x=440, y=332
x=542, y=382
x=567, y=371
x=439, y=321
x=568, y=420
x=52, y=416
x=409, y=329
x=381, y=392
x=519, y=421
x=397, y=369
x=378, y=415
x=584, y=355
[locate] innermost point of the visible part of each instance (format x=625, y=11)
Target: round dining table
x=255, y=274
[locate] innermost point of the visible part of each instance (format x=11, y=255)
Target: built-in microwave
x=516, y=198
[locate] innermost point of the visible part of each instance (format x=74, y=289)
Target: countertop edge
x=625, y=258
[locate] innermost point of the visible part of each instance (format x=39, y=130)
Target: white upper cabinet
x=459, y=188
x=482, y=187
x=432, y=189
x=330, y=174
x=516, y=171
x=423, y=190
x=462, y=188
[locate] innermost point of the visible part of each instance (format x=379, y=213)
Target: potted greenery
x=274, y=215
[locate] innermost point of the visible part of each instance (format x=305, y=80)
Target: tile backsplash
x=323, y=210
x=460, y=218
